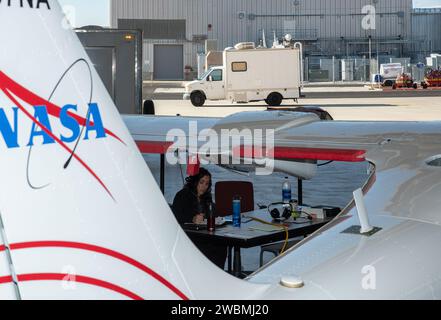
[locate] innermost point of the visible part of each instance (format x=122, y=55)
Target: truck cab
x=210, y=86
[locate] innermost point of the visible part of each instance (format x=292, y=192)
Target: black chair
x=224, y=193
x=226, y=190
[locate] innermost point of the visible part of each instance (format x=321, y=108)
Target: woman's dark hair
x=192, y=181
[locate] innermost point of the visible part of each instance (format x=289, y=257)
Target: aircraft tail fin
x=82, y=213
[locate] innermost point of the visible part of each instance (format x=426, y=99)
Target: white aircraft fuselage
x=82, y=216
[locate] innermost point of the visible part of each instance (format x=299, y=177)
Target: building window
x=239, y=67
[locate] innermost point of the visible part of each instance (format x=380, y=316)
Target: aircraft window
x=434, y=161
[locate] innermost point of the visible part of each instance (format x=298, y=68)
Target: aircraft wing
x=231, y=141
x=156, y=128
x=402, y=197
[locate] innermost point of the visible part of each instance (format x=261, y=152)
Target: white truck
x=389, y=73
x=249, y=74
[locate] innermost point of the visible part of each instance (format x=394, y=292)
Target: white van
x=389, y=73
x=249, y=75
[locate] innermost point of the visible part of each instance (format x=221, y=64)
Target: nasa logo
x=39, y=115
x=41, y=126
x=10, y=131
x=31, y=3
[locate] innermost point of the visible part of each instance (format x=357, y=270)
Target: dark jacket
x=186, y=205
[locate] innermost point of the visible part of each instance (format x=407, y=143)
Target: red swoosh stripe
x=294, y=153
x=34, y=100
x=73, y=278
x=6, y=91
x=101, y=250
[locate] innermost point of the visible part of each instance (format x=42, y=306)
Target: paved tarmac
x=342, y=102
x=175, y=91
x=367, y=109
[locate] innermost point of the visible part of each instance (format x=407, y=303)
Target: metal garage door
x=168, y=62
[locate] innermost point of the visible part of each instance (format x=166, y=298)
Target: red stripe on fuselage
x=153, y=147
x=294, y=153
x=101, y=250
x=72, y=278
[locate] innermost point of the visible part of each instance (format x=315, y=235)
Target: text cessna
x=27, y=3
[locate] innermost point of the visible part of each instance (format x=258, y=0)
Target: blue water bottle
x=286, y=191
x=236, y=211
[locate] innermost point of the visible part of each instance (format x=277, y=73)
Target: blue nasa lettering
x=97, y=126
x=41, y=116
x=69, y=123
x=9, y=131
x=9, y=135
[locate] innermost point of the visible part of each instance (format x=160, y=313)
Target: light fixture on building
x=128, y=37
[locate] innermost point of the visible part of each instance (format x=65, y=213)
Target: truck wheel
x=197, y=99
x=415, y=86
x=274, y=99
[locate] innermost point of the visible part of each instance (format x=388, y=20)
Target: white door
x=216, y=86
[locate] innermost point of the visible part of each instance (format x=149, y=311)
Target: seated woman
x=191, y=204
